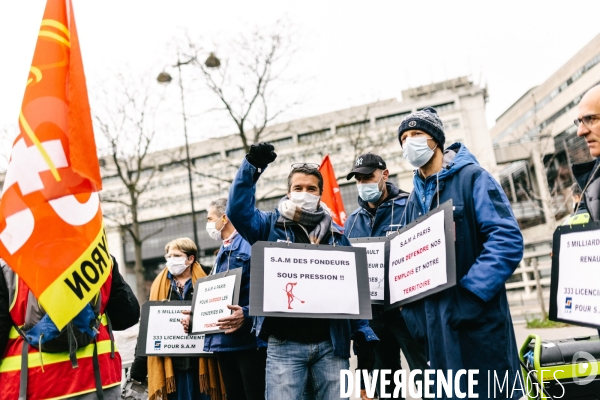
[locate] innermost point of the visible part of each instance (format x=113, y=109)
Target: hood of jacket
x=456, y=157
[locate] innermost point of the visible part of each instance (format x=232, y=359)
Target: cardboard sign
x=212, y=295
x=377, y=256
x=305, y=280
x=421, y=258
x=161, y=332
x=575, y=282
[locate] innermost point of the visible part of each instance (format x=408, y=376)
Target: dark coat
x=255, y=225
x=236, y=255
x=591, y=196
x=361, y=223
x=469, y=326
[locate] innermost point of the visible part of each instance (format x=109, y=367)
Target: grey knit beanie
x=427, y=121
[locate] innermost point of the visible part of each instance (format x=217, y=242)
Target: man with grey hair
x=242, y=356
x=587, y=174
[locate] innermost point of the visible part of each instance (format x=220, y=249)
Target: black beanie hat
x=427, y=121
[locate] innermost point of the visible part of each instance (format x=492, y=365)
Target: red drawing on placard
x=289, y=290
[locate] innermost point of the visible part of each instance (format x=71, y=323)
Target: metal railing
x=525, y=291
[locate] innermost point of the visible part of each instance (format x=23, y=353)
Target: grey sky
x=350, y=52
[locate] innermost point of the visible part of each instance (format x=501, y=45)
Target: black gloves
x=467, y=309
x=261, y=154
x=365, y=352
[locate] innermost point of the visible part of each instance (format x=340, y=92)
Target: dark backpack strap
x=72, y=340
x=110, y=334
x=24, y=370
x=99, y=390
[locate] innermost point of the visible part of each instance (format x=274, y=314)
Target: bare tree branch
x=245, y=89
x=126, y=121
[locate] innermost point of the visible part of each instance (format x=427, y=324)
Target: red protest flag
x=331, y=195
x=51, y=227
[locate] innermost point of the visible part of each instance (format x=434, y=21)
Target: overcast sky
x=349, y=52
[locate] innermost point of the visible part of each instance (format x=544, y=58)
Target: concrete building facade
x=535, y=142
x=164, y=209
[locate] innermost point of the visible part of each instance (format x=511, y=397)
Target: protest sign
x=421, y=258
x=161, y=332
x=306, y=280
x=212, y=295
x=377, y=255
x=575, y=282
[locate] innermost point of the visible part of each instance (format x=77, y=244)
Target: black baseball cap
x=365, y=164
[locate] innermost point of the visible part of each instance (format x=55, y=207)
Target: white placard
x=165, y=333
x=212, y=298
x=578, y=293
x=376, y=261
x=310, y=281
x=418, y=259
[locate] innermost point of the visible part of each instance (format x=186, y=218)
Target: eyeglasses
x=587, y=120
x=307, y=165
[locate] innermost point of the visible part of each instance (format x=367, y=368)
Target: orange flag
x=51, y=227
x=331, y=192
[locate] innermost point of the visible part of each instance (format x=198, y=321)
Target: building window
x=393, y=119
x=314, y=136
x=288, y=141
x=210, y=158
x=442, y=108
x=236, y=153
x=451, y=124
x=355, y=127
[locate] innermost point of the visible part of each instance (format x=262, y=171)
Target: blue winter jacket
x=469, y=326
x=361, y=223
x=255, y=225
x=236, y=255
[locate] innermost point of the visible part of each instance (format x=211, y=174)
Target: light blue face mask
x=370, y=192
x=417, y=151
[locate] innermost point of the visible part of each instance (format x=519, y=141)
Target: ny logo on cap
x=359, y=161
x=412, y=123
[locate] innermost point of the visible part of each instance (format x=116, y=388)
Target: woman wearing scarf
x=179, y=378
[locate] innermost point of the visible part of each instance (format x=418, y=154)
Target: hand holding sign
x=232, y=322
x=186, y=321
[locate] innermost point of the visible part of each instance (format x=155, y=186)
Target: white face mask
x=305, y=200
x=417, y=151
x=176, y=265
x=213, y=232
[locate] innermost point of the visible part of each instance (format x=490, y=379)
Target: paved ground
x=126, y=340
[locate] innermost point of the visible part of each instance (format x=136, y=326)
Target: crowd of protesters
x=467, y=326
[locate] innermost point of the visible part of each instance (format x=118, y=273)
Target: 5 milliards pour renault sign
x=161, y=332
x=575, y=282
x=306, y=280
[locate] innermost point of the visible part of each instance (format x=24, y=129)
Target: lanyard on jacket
x=391, y=219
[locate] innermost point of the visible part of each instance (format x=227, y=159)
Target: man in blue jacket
x=467, y=326
x=381, y=206
x=298, y=348
x=242, y=356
